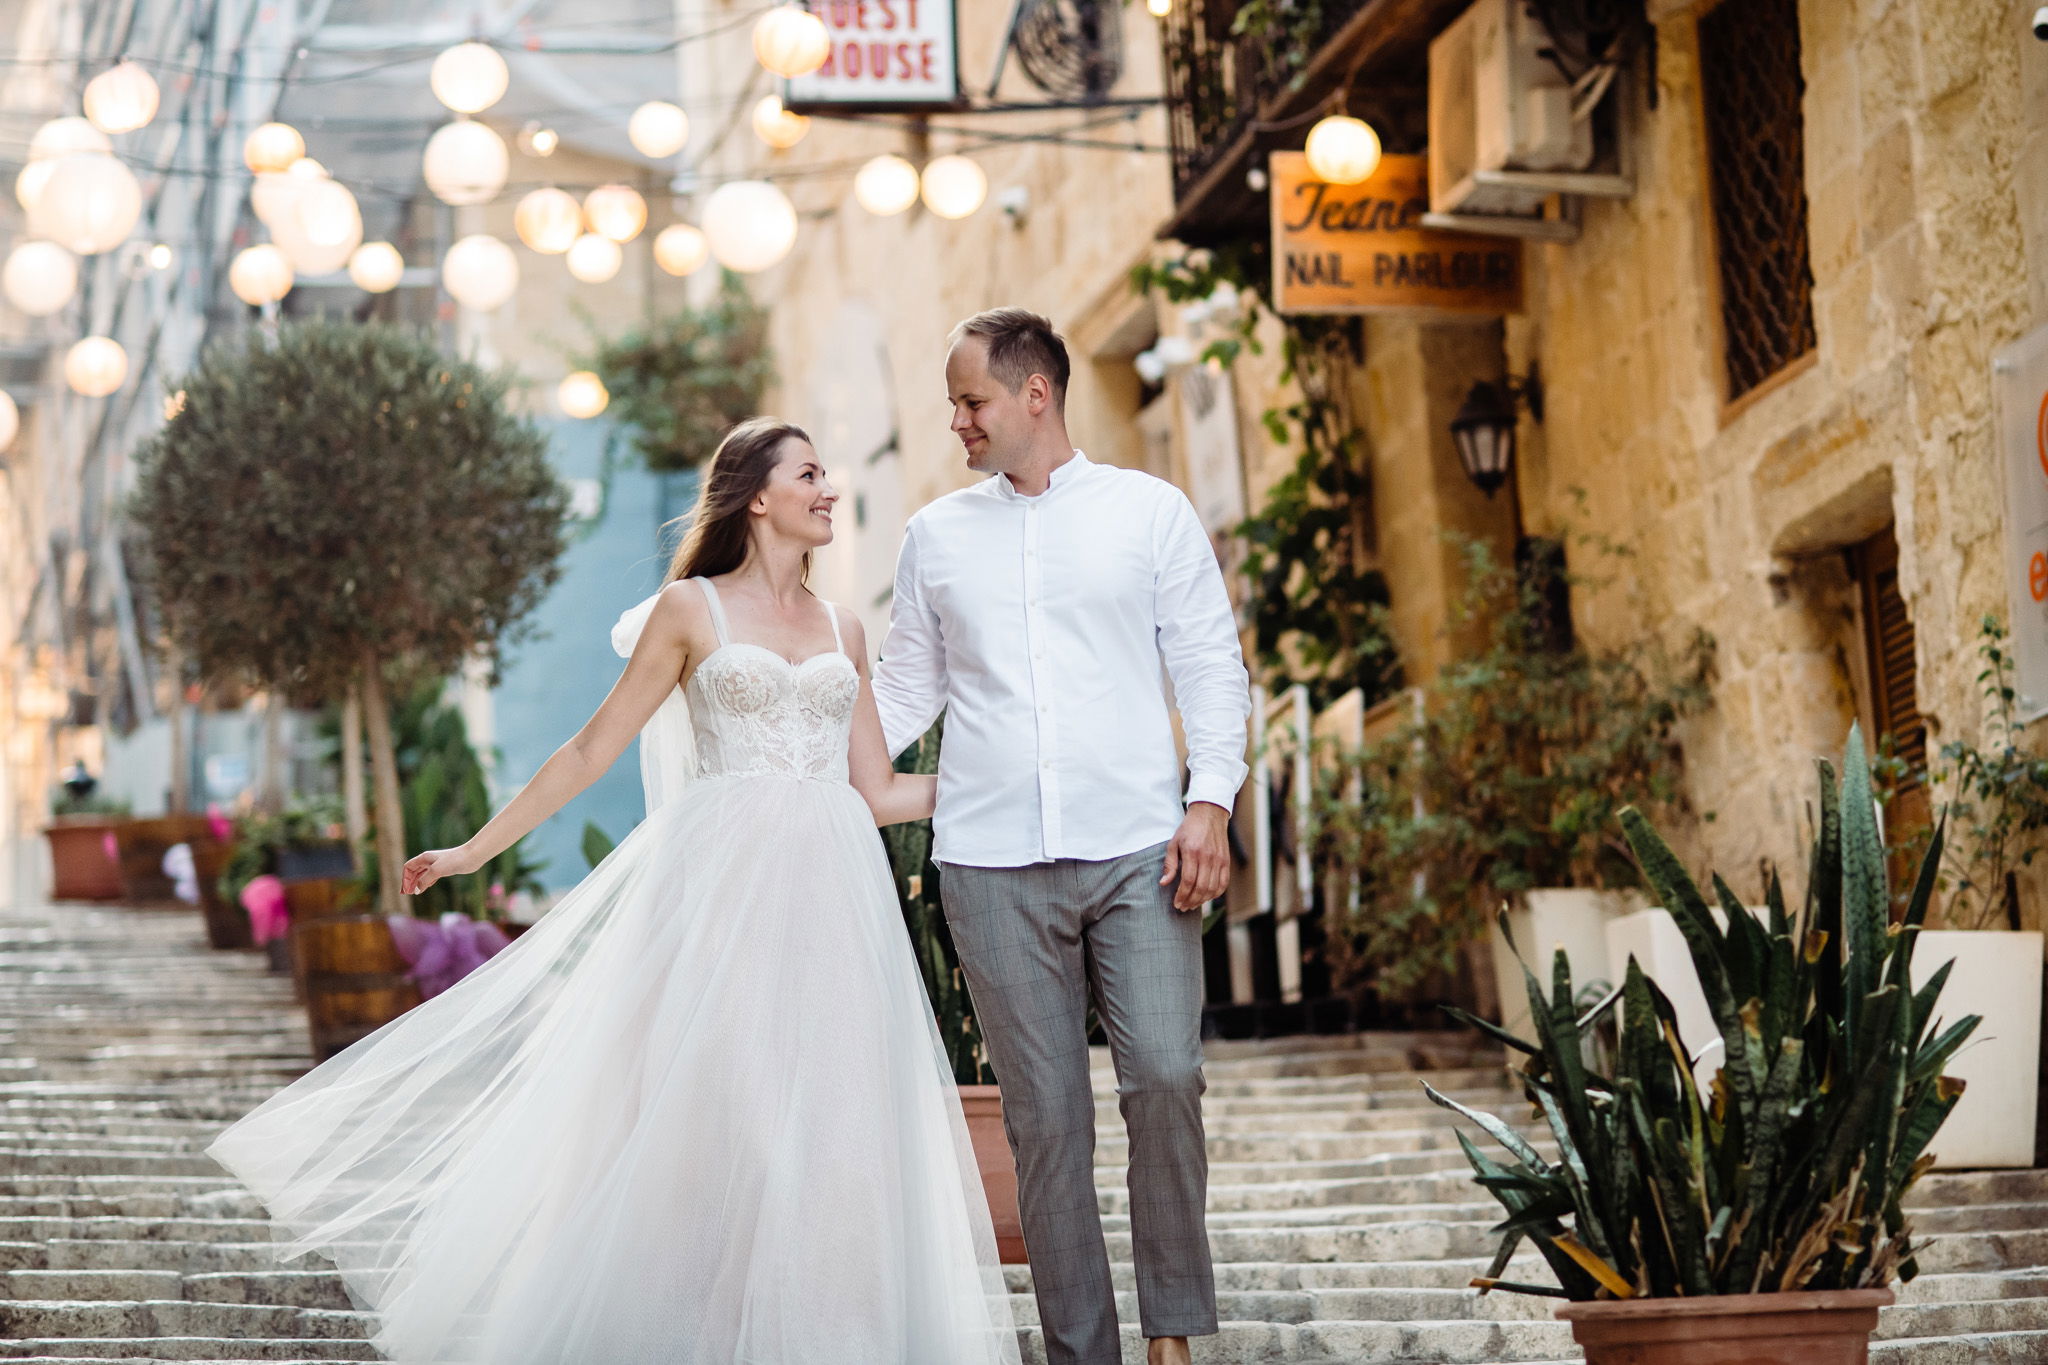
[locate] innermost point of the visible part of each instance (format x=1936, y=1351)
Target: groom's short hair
x=1020, y=343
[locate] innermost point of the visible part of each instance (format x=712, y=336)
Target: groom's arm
x=1199, y=643
x=910, y=677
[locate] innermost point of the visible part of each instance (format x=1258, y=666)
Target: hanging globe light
x=95, y=366
x=776, y=126
x=469, y=78
x=615, y=211
x=1159, y=9
x=791, y=41
x=376, y=267
x=161, y=256
x=681, y=249
x=260, y=274
x=548, y=220
x=954, y=186
x=39, y=278
x=536, y=140
x=1343, y=150
x=272, y=148
x=275, y=196
x=10, y=419
x=59, y=137
x=326, y=213
x=121, y=99
x=465, y=163
x=480, y=272
x=89, y=203
x=594, y=259
x=658, y=129
x=750, y=224
x=582, y=394
x=885, y=186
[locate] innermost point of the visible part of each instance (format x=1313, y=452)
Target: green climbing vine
x=1318, y=603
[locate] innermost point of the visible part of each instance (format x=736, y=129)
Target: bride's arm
x=659, y=660
x=892, y=796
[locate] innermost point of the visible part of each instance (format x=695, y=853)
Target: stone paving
x=1343, y=1225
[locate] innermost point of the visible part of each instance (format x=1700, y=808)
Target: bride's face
x=796, y=502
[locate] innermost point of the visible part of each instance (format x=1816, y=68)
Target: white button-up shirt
x=1038, y=624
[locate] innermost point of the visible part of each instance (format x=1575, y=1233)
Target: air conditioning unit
x=1507, y=128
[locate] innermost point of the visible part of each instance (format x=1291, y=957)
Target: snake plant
x=1788, y=1172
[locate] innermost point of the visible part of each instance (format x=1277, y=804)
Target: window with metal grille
x=1750, y=89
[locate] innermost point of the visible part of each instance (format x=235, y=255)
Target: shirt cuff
x=1217, y=791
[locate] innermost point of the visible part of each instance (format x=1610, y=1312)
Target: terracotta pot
x=354, y=979
x=83, y=869
x=143, y=844
x=983, y=1105
x=1829, y=1328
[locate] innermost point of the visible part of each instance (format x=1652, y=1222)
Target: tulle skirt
x=698, y=1114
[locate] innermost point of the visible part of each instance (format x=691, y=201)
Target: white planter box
x=1998, y=975
x=1542, y=922
x=1652, y=937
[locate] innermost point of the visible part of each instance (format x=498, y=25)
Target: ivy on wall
x=1318, y=603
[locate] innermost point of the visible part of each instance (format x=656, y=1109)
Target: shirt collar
x=1072, y=471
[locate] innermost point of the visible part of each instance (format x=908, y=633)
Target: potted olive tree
x=1503, y=787
x=1763, y=1217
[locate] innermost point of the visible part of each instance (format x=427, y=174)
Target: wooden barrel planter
x=143, y=845
x=83, y=868
x=983, y=1106
x=354, y=979
x=227, y=924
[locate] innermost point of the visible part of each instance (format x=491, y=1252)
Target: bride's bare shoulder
x=680, y=611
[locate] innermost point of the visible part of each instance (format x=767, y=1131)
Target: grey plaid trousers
x=1035, y=942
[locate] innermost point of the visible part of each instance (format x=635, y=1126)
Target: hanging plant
x=682, y=381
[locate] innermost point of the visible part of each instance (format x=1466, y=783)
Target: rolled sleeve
x=910, y=676
x=1198, y=642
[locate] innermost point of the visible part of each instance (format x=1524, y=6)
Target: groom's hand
x=1199, y=855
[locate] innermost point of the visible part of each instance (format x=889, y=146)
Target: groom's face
x=992, y=423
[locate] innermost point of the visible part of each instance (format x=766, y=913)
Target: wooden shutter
x=1888, y=649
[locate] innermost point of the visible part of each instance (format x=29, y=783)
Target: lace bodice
x=756, y=714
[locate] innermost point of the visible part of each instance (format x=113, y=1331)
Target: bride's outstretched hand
x=423, y=870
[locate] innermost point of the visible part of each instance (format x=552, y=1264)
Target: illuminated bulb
x=886, y=185
x=326, y=213
x=260, y=274
x=791, y=41
x=1160, y=8
x=776, y=126
x=95, y=366
x=658, y=129
x=750, y=224
x=376, y=267
x=681, y=249
x=615, y=211
x=39, y=278
x=954, y=187
x=1343, y=150
x=89, y=203
x=121, y=98
x=582, y=394
x=272, y=148
x=534, y=140
x=161, y=256
x=469, y=78
x=480, y=272
x=594, y=259
x=548, y=220
x=465, y=163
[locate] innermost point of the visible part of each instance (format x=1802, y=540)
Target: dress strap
x=838, y=642
x=717, y=611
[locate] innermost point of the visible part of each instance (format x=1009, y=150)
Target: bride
x=700, y=1112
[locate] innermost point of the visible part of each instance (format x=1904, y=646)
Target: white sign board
x=1215, y=463
x=886, y=54
x=2019, y=377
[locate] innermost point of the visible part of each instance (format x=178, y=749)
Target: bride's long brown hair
x=716, y=541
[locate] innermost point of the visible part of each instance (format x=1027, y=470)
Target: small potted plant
x=85, y=854
x=1763, y=1218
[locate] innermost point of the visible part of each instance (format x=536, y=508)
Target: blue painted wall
x=552, y=683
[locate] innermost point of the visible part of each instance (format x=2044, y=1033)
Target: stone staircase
x=1343, y=1224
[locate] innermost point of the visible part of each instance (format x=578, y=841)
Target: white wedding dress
x=698, y=1115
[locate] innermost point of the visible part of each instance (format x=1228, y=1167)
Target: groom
x=1036, y=608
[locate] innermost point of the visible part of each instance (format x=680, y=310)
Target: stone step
x=220, y=1350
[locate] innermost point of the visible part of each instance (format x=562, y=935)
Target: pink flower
x=263, y=898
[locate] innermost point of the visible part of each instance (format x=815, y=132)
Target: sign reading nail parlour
x=896, y=55
x=1362, y=248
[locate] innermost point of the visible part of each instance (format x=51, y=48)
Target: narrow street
x=1343, y=1223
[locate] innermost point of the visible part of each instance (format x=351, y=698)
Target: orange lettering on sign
x=2037, y=576
x=2041, y=433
